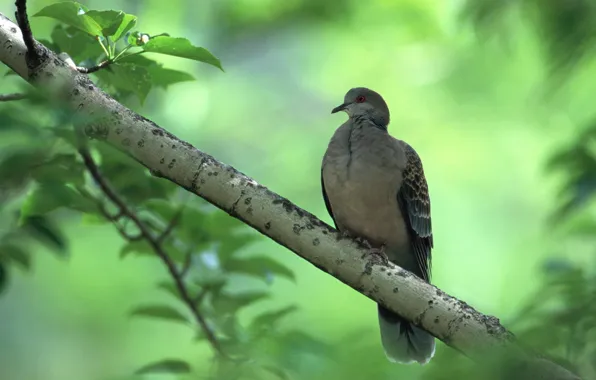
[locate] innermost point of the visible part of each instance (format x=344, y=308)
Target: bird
x=375, y=191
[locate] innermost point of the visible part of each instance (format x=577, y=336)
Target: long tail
x=404, y=342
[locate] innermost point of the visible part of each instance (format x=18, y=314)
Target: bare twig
x=168, y=230
x=89, y=70
x=23, y=20
x=186, y=265
x=146, y=234
x=11, y=97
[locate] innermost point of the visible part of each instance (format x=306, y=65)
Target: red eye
x=360, y=99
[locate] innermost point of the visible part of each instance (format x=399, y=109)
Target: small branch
x=168, y=230
x=11, y=97
x=89, y=70
x=146, y=234
x=23, y=20
x=186, y=265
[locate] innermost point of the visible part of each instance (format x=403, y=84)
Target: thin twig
x=89, y=70
x=23, y=22
x=11, y=97
x=186, y=265
x=153, y=242
x=168, y=230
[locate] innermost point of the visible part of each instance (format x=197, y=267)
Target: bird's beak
x=340, y=108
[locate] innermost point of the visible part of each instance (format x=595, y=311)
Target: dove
x=375, y=190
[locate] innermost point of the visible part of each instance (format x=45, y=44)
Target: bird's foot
x=377, y=254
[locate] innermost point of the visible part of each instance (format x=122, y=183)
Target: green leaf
x=169, y=366
x=128, y=22
x=109, y=21
x=16, y=254
x=73, y=14
x=140, y=247
x=132, y=78
x=225, y=303
x=234, y=243
x=161, y=312
x=181, y=47
x=260, y=266
x=49, y=196
x=47, y=233
x=165, y=77
x=270, y=318
x=62, y=167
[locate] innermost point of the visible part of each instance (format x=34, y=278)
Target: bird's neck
x=365, y=120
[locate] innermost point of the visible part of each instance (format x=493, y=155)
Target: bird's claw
x=378, y=254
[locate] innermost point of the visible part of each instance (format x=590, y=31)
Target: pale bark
x=450, y=320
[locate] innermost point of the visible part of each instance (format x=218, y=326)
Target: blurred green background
x=480, y=107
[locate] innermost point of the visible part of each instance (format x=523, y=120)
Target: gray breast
x=362, y=175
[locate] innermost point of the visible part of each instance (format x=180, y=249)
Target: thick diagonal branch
x=453, y=321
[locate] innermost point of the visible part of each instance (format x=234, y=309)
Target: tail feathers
x=404, y=342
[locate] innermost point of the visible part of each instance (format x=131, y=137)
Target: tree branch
x=89, y=70
x=12, y=97
x=154, y=242
x=101, y=117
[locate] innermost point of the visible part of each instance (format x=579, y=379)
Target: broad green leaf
x=62, y=167
x=128, y=22
x=270, y=318
x=169, y=366
x=73, y=14
x=140, y=247
x=165, y=77
x=277, y=371
x=49, y=196
x=181, y=47
x=260, y=266
x=109, y=21
x=234, y=243
x=16, y=254
x=46, y=232
x=132, y=78
x=169, y=288
x=225, y=303
x=161, y=312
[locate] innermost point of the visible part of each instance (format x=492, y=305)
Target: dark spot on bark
x=395, y=290
x=172, y=163
x=430, y=302
x=382, y=269
x=249, y=211
x=267, y=225
x=437, y=320
x=162, y=160
x=90, y=87
x=119, y=131
x=76, y=92
x=209, y=174
x=202, y=181
x=316, y=242
x=141, y=143
x=126, y=142
x=325, y=232
x=216, y=173
x=402, y=273
x=161, y=146
x=157, y=132
x=247, y=201
x=297, y=229
x=309, y=226
x=13, y=29
x=174, y=146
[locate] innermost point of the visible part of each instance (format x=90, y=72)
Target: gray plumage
x=374, y=188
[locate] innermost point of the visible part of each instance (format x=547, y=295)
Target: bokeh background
x=482, y=101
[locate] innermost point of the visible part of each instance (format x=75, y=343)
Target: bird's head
x=361, y=101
